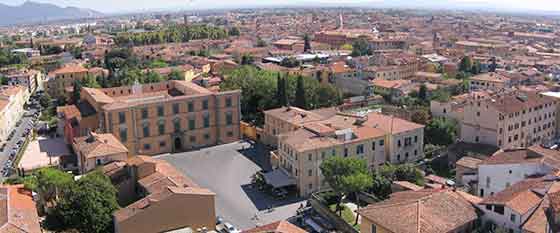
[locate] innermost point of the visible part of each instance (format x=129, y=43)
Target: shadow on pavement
x=258, y=153
x=263, y=201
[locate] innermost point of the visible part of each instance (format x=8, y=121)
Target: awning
x=279, y=178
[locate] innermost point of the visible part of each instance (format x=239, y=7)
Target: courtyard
x=227, y=171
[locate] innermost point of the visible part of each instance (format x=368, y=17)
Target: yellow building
x=164, y=117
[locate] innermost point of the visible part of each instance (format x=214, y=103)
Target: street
x=20, y=134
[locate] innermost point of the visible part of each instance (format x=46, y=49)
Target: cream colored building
x=509, y=120
x=490, y=81
x=12, y=101
x=376, y=138
x=61, y=81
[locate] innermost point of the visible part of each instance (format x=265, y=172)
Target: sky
x=115, y=6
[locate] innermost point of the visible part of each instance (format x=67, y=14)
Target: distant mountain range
x=33, y=12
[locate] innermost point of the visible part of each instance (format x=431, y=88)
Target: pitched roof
x=469, y=162
x=96, y=145
x=424, y=211
x=70, y=69
x=18, y=213
x=276, y=227
x=522, y=196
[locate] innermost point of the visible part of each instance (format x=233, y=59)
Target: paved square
x=227, y=171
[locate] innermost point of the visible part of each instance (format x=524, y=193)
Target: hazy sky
x=111, y=6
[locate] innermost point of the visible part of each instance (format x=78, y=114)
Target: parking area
x=227, y=171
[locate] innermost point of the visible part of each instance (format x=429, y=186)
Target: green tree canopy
x=441, y=131
x=466, y=64
x=360, y=47
x=300, y=94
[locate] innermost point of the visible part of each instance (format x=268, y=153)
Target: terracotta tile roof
x=517, y=101
x=96, y=145
x=70, y=69
x=398, y=125
x=408, y=185
x=18, y=213
x=490, y=77
x=513, y=156
x=469, y=162
x=537, y=222
x=294, y=115
x=425, y=211
x=520, y=197
x=276, y=227
x=391, y=84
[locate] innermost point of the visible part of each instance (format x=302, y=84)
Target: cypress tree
x=300, y=101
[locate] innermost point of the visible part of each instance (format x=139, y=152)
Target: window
x=205, y=105
x=373, y=228
x=309, y=157
x=489, y=207
x=333, y=152
x=192, y=124
x=373, y=145
x=415, y=139
x=98, y=162
x=123, y=134
x=175, y=108
x=499, y=209
x=487, y=182
x=345, y=152
x=147, y=146
x=230, y=133
x=323, y=154
x=310, y=172
x=229, y=118
x=144, y=113
x=122, y=118
x=399, y=143
x=360, y=149
x=192, y=138
x=382, y=142
x=162, y=144
x=206, y=121
x=160, y=110
x=206, y=136
x=146, y=130
x=228, y=101
x=161, y=127
x=177, y=125
x=407, y=141
x=190, y=106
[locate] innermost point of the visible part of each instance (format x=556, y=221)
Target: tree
x=360, y=47
x=247, y=59
x=77, y=87
x=441, y=131
x=281, y=95
x=420, y=116
x=158, y=64
x=45, y=100
x=234, y=31
x=466, y=64
x=423, y=92
x=290, y=62
x=176, y=75
x=87, y=206
x=306, y=44
x=300, y=94
x=345, y=176
x=90, y=81
x=153, y=77
x=49, y=184
x=475, y=69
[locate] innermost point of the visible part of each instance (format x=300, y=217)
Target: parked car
x=230, y=228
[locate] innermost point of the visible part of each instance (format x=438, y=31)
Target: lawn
x=347, y=215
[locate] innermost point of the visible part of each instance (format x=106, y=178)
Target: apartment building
x=288, y=119
x=163, y=117
x=12, y=101
x=507, y=167
x=426, y=210
x=527, y=206
x=31, y=79
x=490, y=81
x=162, y=198
x=62, y=80
x=493, y=48
x=509, y=120
x=375, y=137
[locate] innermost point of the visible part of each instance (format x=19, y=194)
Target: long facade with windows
x=165, y=117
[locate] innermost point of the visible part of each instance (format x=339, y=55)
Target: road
x=19, y=131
